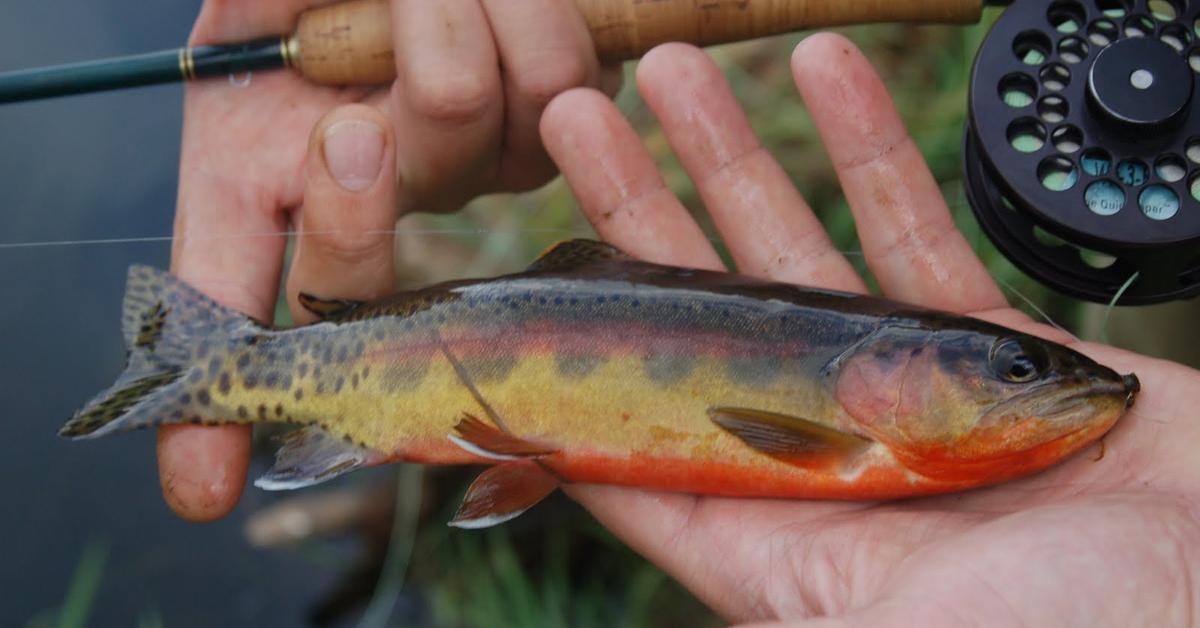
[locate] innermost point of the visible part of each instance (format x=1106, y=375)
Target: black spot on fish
x=271, y=380
x=242, y=412
x=359, y=348
x=317, y=372
x=320, y=388
x=177, y=415
x=342, y=354
x=327, y=355
x=366, y=373
x=285, y=382
x=250, y=382
x=203, y=398
x=299, y=394
x=224, y=384
x=214, y=367
x=337, y=386
x=302, y=369
x=354, y=381
x=279, y=409
x=185, y=399
x=243, y=361
x=195, y=376
x=262, y=412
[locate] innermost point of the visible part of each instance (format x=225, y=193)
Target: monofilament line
x=230, y=236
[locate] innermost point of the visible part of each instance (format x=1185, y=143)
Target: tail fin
x=169, y=327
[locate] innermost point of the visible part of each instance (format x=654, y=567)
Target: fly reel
x=1082, y=153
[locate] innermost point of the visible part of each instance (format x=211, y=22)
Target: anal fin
x=503, y=492
x=789, y=438
x=484, y=440
x=310, y=455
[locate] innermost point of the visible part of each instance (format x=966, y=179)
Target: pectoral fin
x=310, y=455
x=484, y=440
x=502, y=493
x=788, y=438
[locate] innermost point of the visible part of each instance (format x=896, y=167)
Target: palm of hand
x=1111, y=540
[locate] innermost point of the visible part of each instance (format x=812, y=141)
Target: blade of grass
x=395, y=566
x=84, y=583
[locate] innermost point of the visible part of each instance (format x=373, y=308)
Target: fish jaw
x=1033, y=444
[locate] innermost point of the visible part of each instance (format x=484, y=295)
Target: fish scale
x=594, y=367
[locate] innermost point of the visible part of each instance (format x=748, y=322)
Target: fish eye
x=1012, y=362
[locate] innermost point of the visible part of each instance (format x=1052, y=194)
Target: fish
x=591, y=366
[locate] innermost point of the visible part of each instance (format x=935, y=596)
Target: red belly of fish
x=710, y=477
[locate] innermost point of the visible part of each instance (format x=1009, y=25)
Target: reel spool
x=1082, y=153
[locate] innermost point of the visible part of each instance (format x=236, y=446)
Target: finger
x=545, y=49
x=202, y=469
x=909, y=238
x=344, y=249
x=234, y=20
x=769, y=228
x=617, y=184
x=446, y=102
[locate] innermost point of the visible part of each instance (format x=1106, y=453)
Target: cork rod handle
x=351, y=43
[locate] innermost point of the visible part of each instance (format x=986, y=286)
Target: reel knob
x=1082, y=152
x=1141, y=84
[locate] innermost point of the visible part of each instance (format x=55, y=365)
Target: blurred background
x=88, y=540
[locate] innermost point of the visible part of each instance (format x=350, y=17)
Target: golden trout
x=594, y=367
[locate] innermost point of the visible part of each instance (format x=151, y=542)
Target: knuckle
x=457, y=100
x=542, y=81
x=350, y=248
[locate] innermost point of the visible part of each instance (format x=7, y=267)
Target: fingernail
x=354, y=153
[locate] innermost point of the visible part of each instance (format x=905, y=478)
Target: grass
x=81, y=591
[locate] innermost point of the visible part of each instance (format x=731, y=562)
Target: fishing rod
x=1081, y=150
x=351, y=43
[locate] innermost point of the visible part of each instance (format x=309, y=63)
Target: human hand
x=1095, y=541
x=461, y=120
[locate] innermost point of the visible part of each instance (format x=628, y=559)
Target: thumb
x=344, y=248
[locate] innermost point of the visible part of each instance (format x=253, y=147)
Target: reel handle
x=351, y=43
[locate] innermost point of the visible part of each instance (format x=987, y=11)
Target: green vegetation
x=81, y=592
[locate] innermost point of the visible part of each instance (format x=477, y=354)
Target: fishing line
x=1030, y=303
x=268, y=234
x=1113, y=304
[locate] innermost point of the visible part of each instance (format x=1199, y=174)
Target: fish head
x=978, y=404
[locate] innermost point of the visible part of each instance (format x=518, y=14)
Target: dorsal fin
x=574, y=254
x=327, y=308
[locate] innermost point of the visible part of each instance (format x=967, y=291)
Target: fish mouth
x=1050, y=401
